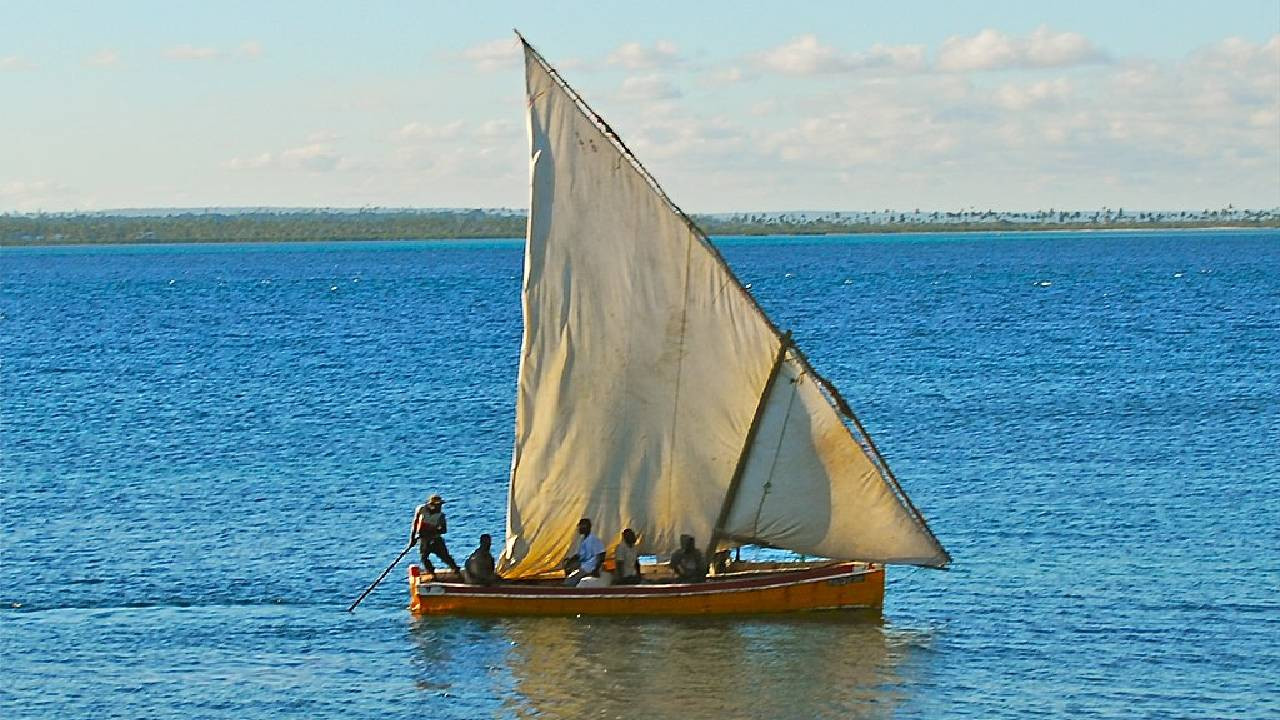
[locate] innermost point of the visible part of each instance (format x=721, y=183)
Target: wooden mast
x=736, y=480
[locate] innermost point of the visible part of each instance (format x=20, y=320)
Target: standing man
x=588, y=558
x=428, y=528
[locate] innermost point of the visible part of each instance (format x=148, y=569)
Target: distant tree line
x=284, y=226
x=324, y=225
x=889, y=220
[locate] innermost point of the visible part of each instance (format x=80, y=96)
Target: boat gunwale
x=771, y=579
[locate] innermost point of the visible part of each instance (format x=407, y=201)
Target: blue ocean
x=208, y=451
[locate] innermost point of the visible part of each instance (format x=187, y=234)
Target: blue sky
x=733, y=106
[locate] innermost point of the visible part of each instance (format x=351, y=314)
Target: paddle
x=369, y=589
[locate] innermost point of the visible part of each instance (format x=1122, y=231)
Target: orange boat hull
x=826, y=587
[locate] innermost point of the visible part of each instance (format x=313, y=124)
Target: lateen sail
x=641, y=369
x=810, y=487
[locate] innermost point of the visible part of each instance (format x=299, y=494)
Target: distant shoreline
x=360, y=226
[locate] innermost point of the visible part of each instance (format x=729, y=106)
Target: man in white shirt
x=586, y=562
x=627, y=560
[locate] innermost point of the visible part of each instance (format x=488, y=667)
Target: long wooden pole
x=369, y=589
x=736, y=480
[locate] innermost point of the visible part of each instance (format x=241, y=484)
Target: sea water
x=208, y=451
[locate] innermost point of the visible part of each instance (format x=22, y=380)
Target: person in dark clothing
x=687, y=562
x=478, y=569
x=429, y=526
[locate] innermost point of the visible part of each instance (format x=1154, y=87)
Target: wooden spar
x=731, y=493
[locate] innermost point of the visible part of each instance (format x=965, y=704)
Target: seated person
x=626, y=560
x=479, y=569
x=721, y=561
x=590, y=556
x=687, y=562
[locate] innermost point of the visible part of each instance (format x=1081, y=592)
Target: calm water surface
x=207, y=452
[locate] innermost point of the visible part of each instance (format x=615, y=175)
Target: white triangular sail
x=808, y=486
x=643, y=361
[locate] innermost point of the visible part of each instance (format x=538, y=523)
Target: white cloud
x=33, y=195
x=897, y=124
x=103, y=58
x=458, y=154
x=1043, y=93
x=1268, y=118
x=494, y=55
x=315, y=157
x=496, y=129
x=994, y=50
x=764, y=107
x=1047, y=49
x=634, y=56
x=665, y=134
x=730, y=75
x=1203, y=130
x=250, y=163
x=903, y=58
x=427, y=131
x=457, y=132
x=1235, y=54
x=988, y=50
x=806, y=55
x=247, y=50
x=191, y=52
x=14, y=63
x=645, y=88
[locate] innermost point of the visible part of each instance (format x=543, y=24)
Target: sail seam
x=675, y=404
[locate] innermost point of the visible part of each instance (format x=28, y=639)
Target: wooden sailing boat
x=654, y=393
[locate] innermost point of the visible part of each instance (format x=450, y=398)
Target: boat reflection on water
x=822, y=665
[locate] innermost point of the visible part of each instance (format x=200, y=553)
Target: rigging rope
x=768, y=482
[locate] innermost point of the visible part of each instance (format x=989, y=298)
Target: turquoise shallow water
x=208, y=451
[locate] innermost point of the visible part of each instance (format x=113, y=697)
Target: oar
x=369, y=589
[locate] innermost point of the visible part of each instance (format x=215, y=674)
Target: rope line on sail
x=833, y=395
x=777, y=450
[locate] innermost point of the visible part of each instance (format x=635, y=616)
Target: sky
x=738, y=106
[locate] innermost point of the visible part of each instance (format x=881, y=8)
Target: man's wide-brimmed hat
x=435, y=500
